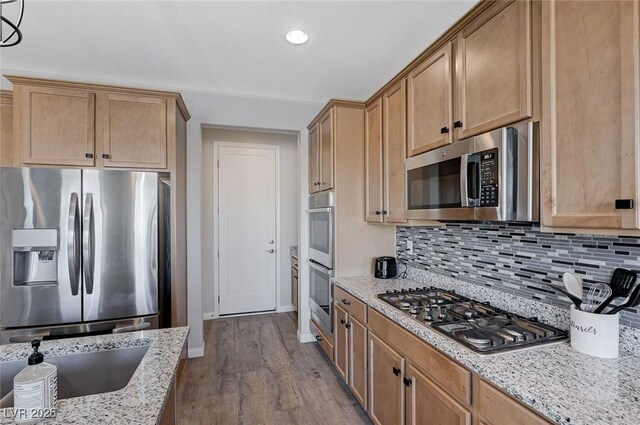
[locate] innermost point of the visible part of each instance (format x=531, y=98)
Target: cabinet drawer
x=325, y=342
x=498, y=408
x=350, y=304
x=449, y=375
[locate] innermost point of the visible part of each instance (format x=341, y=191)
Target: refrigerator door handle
x=88, y=243
x=73, y=244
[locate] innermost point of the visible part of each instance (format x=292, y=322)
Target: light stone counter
x=560, y=383
x=142, y=401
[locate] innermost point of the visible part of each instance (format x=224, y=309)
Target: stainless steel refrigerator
x=78, y=251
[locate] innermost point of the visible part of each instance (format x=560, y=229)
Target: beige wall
x=288, y=207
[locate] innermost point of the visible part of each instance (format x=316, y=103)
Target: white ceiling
x=234, y=47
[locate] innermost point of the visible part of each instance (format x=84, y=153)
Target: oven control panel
x=489, y=178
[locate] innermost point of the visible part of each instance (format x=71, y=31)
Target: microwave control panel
x=489, y=178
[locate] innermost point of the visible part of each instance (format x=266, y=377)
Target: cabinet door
x=426, y=404
x=358, y=360
x=326, y=151
x=591, y=104
x=132, y=131
x=314, y=161
x=494, y=69
x=373, y=158
x=341, y=354
x=57, y=125
x=430, y=103
x=386, y=395
x=394, y=150
x=9, y=149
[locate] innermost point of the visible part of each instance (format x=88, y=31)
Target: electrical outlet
x=410, y=247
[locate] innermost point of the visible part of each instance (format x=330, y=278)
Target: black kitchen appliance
x=386, y=268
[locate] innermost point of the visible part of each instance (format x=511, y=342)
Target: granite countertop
x=142, y=401
x=560, y=383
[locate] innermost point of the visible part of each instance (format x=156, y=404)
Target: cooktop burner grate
x=479, y=326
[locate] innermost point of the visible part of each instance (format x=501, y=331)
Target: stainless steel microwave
x=490, y=177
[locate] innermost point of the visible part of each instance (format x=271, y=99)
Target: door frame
x=217, y=144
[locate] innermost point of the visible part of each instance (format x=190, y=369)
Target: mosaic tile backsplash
x=518, y=258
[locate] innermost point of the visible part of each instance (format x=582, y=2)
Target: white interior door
x=247, y=229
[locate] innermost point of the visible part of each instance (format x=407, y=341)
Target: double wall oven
x=321, y=232
x=490, y=177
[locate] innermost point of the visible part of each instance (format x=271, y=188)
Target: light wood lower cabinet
x=131, y=130
x=386, y=393
x=427, y=404
x=358, y=360
x=591, y=105
x=325, y=340
x=341, y=335
x=350, y=352
x=494, y=407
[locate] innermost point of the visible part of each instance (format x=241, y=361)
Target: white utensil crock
x=595, y=334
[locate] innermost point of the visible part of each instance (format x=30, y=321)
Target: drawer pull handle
x=88, y=155
x=624, y=204
x=346, y=302
x=396, y=371
x=407, y=382
x=318, y=338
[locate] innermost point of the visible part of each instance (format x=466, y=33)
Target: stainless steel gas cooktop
x=478, y=326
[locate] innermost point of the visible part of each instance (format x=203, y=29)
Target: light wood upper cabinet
x=314, y=163
x=427, y=404
x=374, y=166
x=494, y=69
x=132, y=130
x=321, y=153
x=341, y=354
x=386, y=141
x=327, y=141
x=386, y=394
x=591, y=105
x=9, y=152
x=64, y=123
x=430, y=102
x=395, y=143
x=358, y=360
x=55, y=125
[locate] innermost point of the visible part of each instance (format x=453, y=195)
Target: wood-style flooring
x=255, y=371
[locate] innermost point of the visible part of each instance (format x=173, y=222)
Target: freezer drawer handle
x=73, y=244
x=87, y=243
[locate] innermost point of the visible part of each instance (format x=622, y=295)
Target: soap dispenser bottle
x=35, y=388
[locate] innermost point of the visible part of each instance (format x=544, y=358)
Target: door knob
x=271, y=251
x=271, y=241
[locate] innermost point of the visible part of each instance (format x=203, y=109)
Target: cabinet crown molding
x=335, y=102
x=43, y=82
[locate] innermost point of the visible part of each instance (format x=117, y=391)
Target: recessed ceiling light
x=297, y=37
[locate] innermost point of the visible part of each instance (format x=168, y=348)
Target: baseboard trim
x=208, y=316
x=286, y=308
x=193, y=352
x=304, y=338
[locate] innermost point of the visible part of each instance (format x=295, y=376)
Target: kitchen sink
x=80, y=374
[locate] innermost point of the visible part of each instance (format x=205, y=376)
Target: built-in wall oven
x=490, y=177
x=321, y=218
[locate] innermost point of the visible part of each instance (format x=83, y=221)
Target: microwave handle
x=464, y=196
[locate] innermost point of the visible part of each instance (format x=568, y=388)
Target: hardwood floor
x=256, y=372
